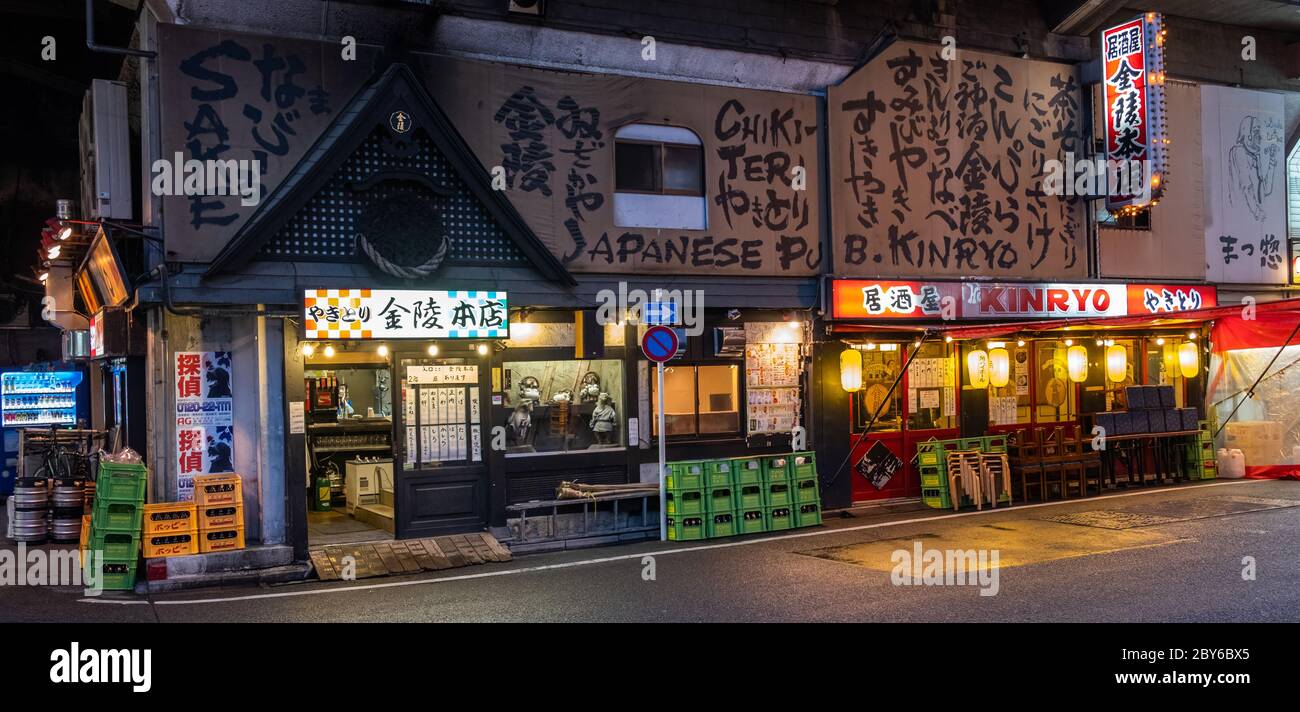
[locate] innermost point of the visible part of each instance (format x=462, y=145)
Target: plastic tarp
x=1263, y=345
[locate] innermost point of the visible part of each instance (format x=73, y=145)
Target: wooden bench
x=590, y=507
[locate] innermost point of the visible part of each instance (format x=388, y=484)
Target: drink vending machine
x=37, y=399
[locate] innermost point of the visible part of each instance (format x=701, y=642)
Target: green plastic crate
x=720, y=524
x=776, y=468
x=689, y=528
x=805, y=490
x=803, y=464
x=123, y=546
x=808, y=514
x=720, y=499
x=971, y=443
x=684, y=502
x=121, y=483
x=136, y=468
x=995, y=443
x=750, y=497
x=113, y=575
x=936, y=498
x=927, y=455
x=779, y=495
x=746, y=471
x=117, y=516
x=685, y=475
x=751, y=521
x=717, y=473
x=934, y=478
x=779, y=518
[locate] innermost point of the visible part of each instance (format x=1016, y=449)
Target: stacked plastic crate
x=805, y=490
x=170, y=529
x=751, y=499
x=115, y=523
x=745, y=495
x=932, y=465
x=219, y=500
x=1204, y=464
x=719, y=499
x=684, y=504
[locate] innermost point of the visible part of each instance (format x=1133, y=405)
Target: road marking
x=638, y=555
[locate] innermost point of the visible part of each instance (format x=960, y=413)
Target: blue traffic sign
x=659, y=313
x=659, y=344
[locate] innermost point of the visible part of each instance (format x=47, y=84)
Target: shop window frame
x=625, y=399
x=697, y=436
x=661, y=149
x=1036, y=382
x=857, y=425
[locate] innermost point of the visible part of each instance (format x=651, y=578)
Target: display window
x=881, y=364
x=1012, y=402
x=1127, y=367
x=699, y=400
x=931, y=387
x=550, y=407
x=1162, y=367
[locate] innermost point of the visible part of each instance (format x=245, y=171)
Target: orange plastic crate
x=215, y=490
x=223, y=517
x=213, y=540
x=169, y=518
x=171, y=544
x=85, y=531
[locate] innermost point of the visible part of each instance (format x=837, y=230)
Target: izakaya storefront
x=939, y=360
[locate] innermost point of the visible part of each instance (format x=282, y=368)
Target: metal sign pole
x=663, y=466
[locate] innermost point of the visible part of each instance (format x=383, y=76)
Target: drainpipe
x=90, y=35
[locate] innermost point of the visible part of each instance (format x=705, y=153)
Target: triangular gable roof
x=396, y=89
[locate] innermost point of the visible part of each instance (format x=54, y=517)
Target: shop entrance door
x=442, y=478
x=921, y=407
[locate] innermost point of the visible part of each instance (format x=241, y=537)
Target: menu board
x=772, y=378
x=930, y=386
x=442, y=421
x=1002, y=410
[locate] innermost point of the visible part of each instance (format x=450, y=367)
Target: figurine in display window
x=519, y=425
x=530, y=390
x=589, y=391
x=604, y=419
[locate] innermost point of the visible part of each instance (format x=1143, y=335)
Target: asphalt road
x=1153, y=555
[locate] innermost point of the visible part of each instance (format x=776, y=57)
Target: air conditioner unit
x=526, y=7
x=105, y=152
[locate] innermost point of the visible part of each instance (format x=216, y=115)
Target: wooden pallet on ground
x=394, y=558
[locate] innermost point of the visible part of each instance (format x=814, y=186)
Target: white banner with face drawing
x=1245, y=185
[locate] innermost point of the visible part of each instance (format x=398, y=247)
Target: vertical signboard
x=1132, y=56
x=1245, y=185
x=204, y=417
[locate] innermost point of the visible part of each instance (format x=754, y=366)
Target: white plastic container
x=1232, y=464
